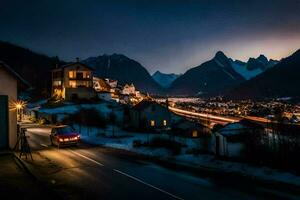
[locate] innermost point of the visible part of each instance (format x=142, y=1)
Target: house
x=187, y=128
x=9, y=81
x=73, y=81
x=100, y=85
x=112, y=83
x=149, y=115
x=295, y=118
x=128, y=89
x=230, y=141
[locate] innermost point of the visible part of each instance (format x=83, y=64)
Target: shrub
x=193, y=151
x=88, y=117
x=160, y=142
x=137, y=143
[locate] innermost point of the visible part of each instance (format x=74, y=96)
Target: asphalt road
x=89, y=172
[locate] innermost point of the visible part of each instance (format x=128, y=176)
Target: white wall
x=8, y=86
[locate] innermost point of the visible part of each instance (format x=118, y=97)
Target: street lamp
x=19, y=105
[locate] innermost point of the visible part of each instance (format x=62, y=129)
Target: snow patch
x=243, y=71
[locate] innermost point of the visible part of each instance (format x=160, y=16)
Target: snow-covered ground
x=104, y=108
x=124, y=140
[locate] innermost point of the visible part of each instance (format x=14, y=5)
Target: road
x=89, y=172
x=217, y=119
x=213, y=118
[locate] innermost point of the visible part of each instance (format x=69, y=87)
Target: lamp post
x=19, y=105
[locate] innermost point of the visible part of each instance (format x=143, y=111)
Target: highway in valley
x=202, y=116
x=93, y=172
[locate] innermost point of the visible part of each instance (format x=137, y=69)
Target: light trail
x=207, y=116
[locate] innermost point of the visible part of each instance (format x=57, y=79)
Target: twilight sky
x=165, y=35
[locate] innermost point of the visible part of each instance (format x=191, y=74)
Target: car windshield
x=65, y=130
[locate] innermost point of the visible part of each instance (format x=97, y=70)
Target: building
x=149, y=115
x=73, y=81
x=128, y=89
x=9, y=81
x=100, y=85
x=112, y=83
x=230, y=140
x=187, y=128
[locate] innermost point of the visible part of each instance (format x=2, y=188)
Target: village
x=139, y=99
x=105, y=112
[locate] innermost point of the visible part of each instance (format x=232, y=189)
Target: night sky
x=170, y=36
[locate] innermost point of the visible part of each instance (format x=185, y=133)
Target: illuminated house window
x=195, y=134
x=83, y=83
x=165, y=122
x=152, y=123
x=72, y=74
x=72, y=84
x=86, y=74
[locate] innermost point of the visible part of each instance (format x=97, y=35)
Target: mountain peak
x=157, y=73
x=221, y=59
x=220, y=55
x=262, y=59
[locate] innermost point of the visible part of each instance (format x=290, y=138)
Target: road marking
x=149, y=185
x=127, y=175
x=87, y=158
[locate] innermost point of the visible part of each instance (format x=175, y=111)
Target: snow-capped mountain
x=282, y=80
x=164, y=80
x=253, y=67
x=210, y=78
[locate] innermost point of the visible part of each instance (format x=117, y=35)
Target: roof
x=144, y=104
x=74, y=63
x=237, y=128
x=187, y=124
x=13, y=73
x=103, y=83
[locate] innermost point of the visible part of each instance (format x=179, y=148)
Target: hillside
x=213, y=77
x=125, y=70
x=33, y=67
x=282, y=80
x=163, y=79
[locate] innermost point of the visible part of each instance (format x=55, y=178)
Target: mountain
x=125, y=70
x=213, y=77
x=164, y=80
x=35, y=68
x=282, y=80
x=253, y=67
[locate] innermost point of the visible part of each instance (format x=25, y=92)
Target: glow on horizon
x=272, y=48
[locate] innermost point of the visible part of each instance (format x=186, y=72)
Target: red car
x=63, y=136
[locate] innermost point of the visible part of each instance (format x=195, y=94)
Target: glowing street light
x=19, y=105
